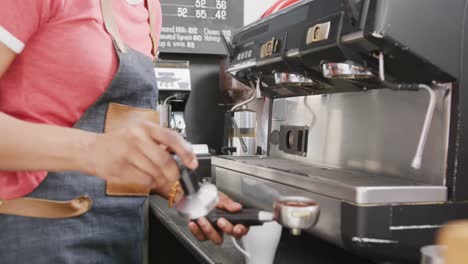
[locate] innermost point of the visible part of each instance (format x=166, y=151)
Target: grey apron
x=113, y=231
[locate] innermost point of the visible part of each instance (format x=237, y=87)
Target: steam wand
x=251, y=98
x=416, y=163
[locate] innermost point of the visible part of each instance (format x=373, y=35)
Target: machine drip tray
x=351, y=186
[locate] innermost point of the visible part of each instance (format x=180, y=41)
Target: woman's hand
x=203, y=230
x=140, y=153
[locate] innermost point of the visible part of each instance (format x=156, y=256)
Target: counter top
x=291, y=250
x=205, y=252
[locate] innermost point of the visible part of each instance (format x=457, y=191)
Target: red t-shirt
x=65, y=61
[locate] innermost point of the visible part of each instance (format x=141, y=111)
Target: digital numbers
x=204, y=9
x=221, y=14
x=221, y=4
x=182, y=12
x=200, y=3
x=200, y=13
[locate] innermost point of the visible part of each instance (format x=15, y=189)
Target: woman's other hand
x=203, y=230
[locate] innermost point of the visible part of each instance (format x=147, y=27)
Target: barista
x=62, y=64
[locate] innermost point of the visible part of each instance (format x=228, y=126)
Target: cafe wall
x=253, y=9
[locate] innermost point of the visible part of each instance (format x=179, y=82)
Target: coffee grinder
x=174, y=86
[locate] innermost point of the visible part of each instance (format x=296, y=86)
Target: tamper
x=199, y=200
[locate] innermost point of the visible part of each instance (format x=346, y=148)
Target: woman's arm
x=26, y=146
x=131, y=153
x=31, y=147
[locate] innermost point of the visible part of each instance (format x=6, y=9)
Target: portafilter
x=293, y=212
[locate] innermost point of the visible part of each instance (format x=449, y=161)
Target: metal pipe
x=257, y=89
x=417, y=159
x=381, y=67
x=416, y=163
x=252, y=97
x=169, y=98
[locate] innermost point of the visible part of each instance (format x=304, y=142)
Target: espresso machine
x=366, y=113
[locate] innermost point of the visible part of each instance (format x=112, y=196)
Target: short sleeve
x=20, y=19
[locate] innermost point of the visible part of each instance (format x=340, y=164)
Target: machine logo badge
x=269, y=48
x=318, y=33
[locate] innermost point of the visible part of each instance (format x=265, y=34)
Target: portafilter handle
x=246, y=217
x=293, y=212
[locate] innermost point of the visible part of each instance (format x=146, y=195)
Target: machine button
x=318, y=32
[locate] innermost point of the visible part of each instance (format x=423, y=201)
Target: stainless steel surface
x=375, y=132
x=241, y=66
x=347, y=71
x=352, y=186
x=289, y=79
x=165, y=115
x=255, y=192
x=246, y=121
x=262, y=108
x=238, y=135
x=198, y=204
x=297, y=213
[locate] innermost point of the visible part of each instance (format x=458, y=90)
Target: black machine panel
x=302, y=37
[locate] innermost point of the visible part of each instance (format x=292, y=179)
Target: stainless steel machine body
x=241, y=135
x=337, y=134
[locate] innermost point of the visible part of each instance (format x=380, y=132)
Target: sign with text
x=172, y=79
x=195, y=26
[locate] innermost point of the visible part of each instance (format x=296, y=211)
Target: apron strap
x=112, y=29
x=47, y=209
x=111, y=25
x=152, y=23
